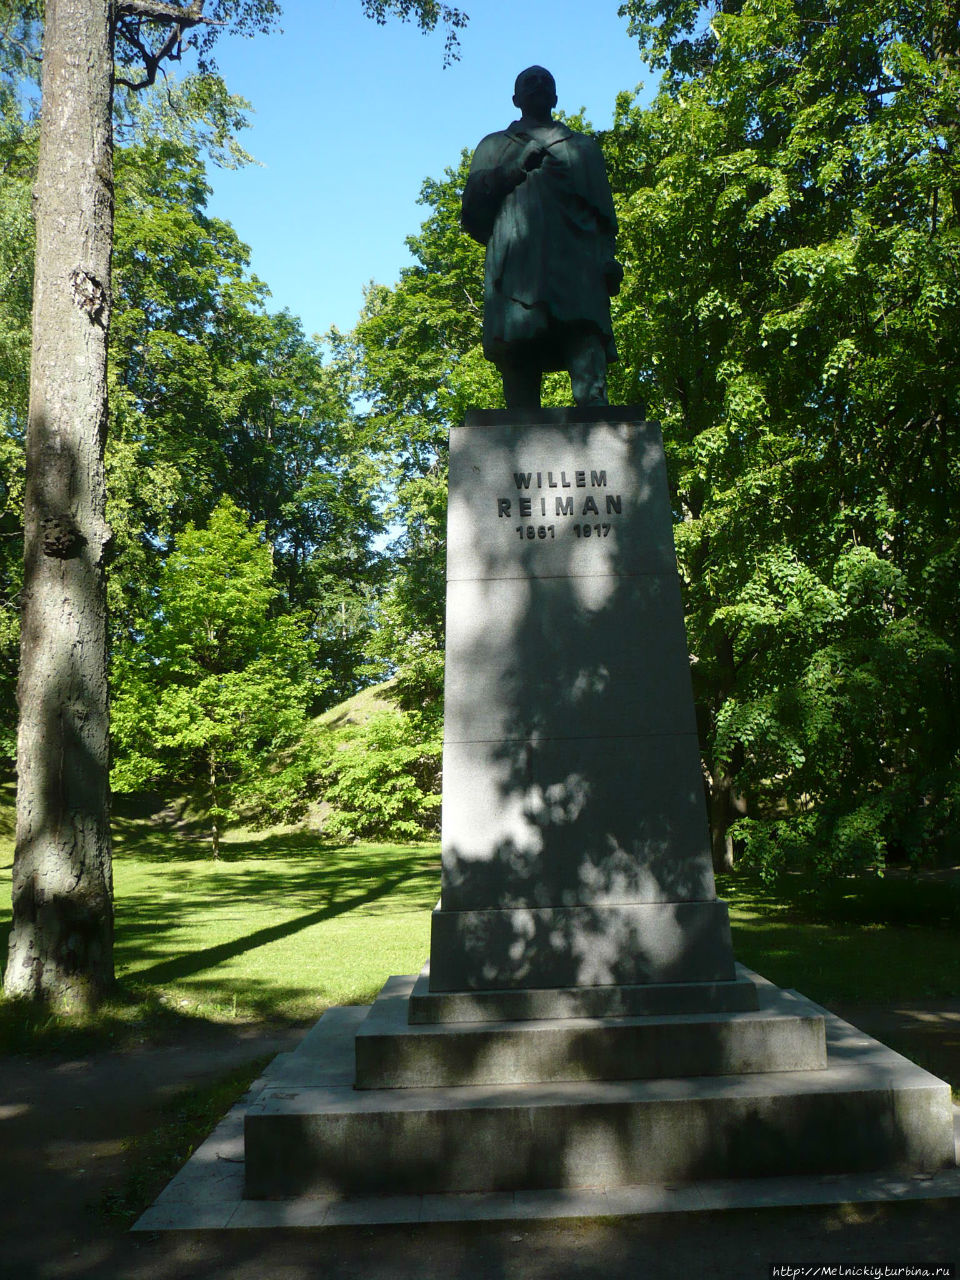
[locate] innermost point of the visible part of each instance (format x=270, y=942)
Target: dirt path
x=63, y=1122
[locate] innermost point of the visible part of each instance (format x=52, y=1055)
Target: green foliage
x=144, y=41
x=427, y=13
x=214, y=694
x=212, y=395
x=789, y=218
x=415, y=362
x=196, y=113
x=788, y=210
x=18, y=141
x=382, y=777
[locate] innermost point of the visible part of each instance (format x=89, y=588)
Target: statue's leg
x=586, y=359
x=521, y=383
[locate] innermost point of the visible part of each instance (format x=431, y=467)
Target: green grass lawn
x=857, y=940
x=287, y=924
x=283, y=926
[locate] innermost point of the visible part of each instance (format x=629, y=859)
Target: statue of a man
x=538, y=198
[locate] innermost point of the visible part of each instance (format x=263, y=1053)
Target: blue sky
x=350, y=117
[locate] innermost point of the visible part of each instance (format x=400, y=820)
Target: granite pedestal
x=582, y=1022
x=575, y=847
x=604, y=1103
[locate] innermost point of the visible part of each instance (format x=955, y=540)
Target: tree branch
x=151, y=60
x=129, y=16
x=7, y=38
x=159, y=11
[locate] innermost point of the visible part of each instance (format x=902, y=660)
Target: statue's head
x=535, y=91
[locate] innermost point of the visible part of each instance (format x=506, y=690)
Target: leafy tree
x=415, y=361
x=214, y=696
x=382, y=778
x=790, y=211
x=788, y=217
x=210, y=395
x=61, y=941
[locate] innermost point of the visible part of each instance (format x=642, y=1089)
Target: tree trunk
x=214, y=811
x=61, y=945
x=726, y=805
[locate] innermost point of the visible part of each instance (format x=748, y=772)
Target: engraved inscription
x=525, y=505
x=531, y=531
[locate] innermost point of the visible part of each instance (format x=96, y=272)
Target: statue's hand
x=613, y=277
x=532, y=157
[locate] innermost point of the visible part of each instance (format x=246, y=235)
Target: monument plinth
x=581, y=1022
x=575, y=844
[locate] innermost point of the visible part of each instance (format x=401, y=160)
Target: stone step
x=869, y=1109
x=787, y=1034
x=519, y=1005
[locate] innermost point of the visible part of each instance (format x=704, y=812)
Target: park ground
x=223, y=965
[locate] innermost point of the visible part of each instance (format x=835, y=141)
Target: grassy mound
x=362, y=707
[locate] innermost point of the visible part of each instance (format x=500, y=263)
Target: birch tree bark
x=61, y=942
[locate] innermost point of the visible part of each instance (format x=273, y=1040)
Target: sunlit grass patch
x=284, y=926
x=280, y=928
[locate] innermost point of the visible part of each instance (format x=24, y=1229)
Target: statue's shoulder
x=495, y=143
x=561, y=136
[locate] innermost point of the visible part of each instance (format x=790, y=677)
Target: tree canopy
x=788, y=208
x=61, y=940
x=789, y=222
x=790, y=212
x=213, y=697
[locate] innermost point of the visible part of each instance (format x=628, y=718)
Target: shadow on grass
x=131, y=1018
x=906, y=899
x=154, y=1157
x=165, y=842
x=839, y=960
x=232, y=911
x=196, y=961
x=203, y=923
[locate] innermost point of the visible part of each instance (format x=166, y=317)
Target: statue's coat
x=549, y=239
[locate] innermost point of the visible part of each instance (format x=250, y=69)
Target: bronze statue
x=538, y=198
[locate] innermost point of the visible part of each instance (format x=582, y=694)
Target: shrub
x=383, y=777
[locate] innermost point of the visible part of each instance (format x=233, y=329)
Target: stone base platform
x=868, y=1109
x=787, y=1034
x=208, y=1193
